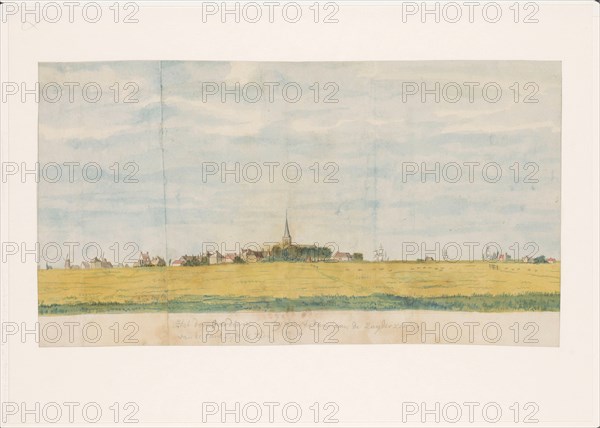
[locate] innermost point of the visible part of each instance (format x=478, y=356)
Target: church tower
x=286, y=241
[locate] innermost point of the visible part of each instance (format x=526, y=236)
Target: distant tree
x=357, y=257
x=540, y=259
x=324, y=253
x=238, y=259
x=294, y=253
x=195, y=261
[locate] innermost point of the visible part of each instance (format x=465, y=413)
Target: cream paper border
x=368, y=382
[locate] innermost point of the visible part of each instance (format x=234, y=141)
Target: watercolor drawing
x=173, y=193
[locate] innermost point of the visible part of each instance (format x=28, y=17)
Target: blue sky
x=172, y=133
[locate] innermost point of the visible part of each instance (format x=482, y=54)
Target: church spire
x=287, y=238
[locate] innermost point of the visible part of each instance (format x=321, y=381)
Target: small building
x=215, y=258
x=229, y=258
x=144, y=259
x=95, y=263
x=342, y=257
x=157, y=261
x=251, y=256
x=504, y=257
x=68, y=264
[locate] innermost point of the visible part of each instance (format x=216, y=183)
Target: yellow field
x=292, y=280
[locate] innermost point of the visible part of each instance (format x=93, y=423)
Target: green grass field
x=465, y=286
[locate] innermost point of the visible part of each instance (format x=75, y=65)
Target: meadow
x=470, y=286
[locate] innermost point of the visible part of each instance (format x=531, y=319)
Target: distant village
x=496, y=256
x=284, y=251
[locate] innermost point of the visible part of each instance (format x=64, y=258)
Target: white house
x=215, y=258
x=342, y=257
